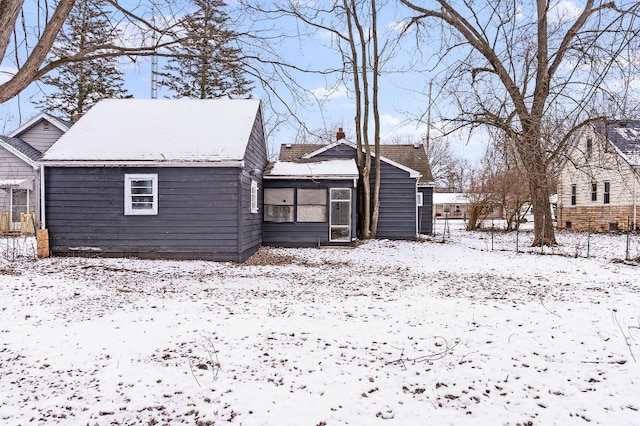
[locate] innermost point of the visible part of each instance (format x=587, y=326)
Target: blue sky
x=404, y=98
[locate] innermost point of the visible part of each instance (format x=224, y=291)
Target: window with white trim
x=419, y=199
x=141, y=194
x=254, y=196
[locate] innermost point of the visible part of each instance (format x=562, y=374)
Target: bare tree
x=353, y=29
x=26, y=45
x=530, y=78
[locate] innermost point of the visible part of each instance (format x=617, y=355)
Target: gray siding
x=197, y=213
x=306, y=234
x=250, y=238
x=398, y=213
x=11, y=167
x=41, y=135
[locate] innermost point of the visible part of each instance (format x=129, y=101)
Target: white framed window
x=419, y=199
x=254, y=196
x=141, y=194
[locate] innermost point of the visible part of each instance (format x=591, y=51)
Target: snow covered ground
x=461, y=330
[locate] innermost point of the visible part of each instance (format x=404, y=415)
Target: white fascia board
x=37, y=118
x=412, y=173
x=325, y=148
x=130, y=163
x=19, y=154
x=310, y=177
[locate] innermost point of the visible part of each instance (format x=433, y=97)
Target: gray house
x=158, y=179
x=20, y=151
x=406, y=187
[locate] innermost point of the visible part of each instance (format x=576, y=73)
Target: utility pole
x=154, y=61
x=428, y=136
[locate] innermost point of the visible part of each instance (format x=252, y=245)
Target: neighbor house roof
x=159, y=130
x=409, y=157
x=326, y=169
x=57, y=122
x=625, y=136
x=450, y=198
x=21, y=149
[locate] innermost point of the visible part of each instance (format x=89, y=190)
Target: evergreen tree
x=79, y=85
x=206, y=65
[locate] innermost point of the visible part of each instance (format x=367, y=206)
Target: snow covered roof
x=303, y=152
x=625, y=136
x=450, y=198
x=159, y=130
x=330, y=169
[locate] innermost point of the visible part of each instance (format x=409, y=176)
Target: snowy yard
x=465, y=331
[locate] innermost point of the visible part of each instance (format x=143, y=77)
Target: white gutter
x=42, y=205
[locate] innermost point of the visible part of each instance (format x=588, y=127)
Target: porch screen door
x=340, y=214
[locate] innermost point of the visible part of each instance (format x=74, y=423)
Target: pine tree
x=79, y=85
x=206, y=65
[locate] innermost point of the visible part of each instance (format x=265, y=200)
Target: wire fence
x=493, y=237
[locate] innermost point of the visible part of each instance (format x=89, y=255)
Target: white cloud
x=6, y=73
x=328, y=93
x=564, y=10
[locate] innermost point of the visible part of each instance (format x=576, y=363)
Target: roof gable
x=57, y=122
x=20, y=149
x=160, y=130
x=410, y=158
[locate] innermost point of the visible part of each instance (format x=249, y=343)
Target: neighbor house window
x=607, y=192
x=589, y=147
x=311, y=205
x=419, y=199
x=574, y=194
x=594, y=191
x=254, y=196
x=278, y=204
x=141, y=194
x=457, y=209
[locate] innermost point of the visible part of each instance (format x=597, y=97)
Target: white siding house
x=599, y=182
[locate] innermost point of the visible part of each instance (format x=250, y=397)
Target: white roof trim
x=132, y=163
x=18, y=154
x=412, y=173
x=43, y=115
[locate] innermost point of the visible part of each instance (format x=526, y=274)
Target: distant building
x=599, y=182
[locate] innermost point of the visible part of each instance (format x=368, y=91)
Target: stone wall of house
x=597, y=218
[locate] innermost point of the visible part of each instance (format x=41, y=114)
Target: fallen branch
x=431, y=357
x=626, y=339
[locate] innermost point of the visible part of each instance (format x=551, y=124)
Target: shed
x=158, y=179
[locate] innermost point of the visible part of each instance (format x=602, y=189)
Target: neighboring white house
x=20, y=151
x=599, y=182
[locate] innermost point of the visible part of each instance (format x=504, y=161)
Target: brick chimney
x=340, y=134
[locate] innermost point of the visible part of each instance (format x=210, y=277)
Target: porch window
x=594, y=191
x=141, y=194
x=574, y=194
x=278, y=204
x=607, y=193
x=312, y=205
